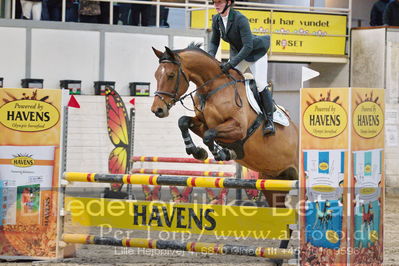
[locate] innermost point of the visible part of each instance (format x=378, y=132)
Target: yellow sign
x=368, y=119
x=219, y=220
x=23, y=161
x=367, y=169
x=373, y=236
x=29, y=115
x=323, y=166
x=325, y=119
x=323, y=188
x=300, y=33
x=368, y=190
x=332, y=236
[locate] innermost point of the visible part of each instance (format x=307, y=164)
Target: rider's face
x=219, y=5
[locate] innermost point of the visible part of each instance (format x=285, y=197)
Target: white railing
x=206, y=5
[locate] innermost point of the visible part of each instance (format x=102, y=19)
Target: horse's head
x=172, y=82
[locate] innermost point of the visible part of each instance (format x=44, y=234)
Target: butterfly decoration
x=118, y=124
x=180, y=197
x=220, y=199
x=152, y=194
x=252, y=194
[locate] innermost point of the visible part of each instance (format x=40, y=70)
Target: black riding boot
x=267, y=110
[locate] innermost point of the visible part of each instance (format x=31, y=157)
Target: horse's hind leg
x=186, y=123
x=277, y=199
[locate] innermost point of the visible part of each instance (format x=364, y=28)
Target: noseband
x=175, y=94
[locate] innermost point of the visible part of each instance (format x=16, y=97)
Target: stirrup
x=269, y=129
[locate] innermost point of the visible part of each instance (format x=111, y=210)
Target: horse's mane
x=197, y=48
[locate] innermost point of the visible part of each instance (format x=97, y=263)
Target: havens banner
x=324, y=156
x=299, y=33
x=205, y=219
x=342, y=175
x=30, y=144
x=367, y=175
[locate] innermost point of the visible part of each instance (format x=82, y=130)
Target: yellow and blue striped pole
x=188, y=181
x=271, y=253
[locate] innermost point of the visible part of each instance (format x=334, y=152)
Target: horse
x=367, y=217
x=323, y=218
x=224, y=119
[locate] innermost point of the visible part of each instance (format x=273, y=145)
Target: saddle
x=280, y=116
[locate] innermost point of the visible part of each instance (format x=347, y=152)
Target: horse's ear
x=157, y=52
x=170, y=52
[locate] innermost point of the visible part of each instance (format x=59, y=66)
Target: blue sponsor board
x=324, y=223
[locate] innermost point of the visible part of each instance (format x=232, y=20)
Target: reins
x=203, y=97
x=194, y=91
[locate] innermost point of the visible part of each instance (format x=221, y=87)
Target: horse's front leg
x=192, y=123
x=229, y=131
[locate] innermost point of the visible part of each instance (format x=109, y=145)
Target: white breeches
x=29, y=7
x=258, y=70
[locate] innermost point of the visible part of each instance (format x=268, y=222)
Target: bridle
x=175, y=94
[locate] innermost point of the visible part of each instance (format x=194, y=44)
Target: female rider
x=246, y=51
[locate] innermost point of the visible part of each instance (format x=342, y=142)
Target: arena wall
x=72, y=51
x=375, y=63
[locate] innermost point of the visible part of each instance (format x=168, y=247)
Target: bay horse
x=223, y=116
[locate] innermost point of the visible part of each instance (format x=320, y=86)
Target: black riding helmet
x=227, y=5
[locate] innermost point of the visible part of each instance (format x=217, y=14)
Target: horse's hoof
x=223, y=155
x=200, y=154
x=191, y=150
x=220, y=157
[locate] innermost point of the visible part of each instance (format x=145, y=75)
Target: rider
x=246, y=51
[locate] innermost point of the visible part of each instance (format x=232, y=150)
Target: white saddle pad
x=278, y=116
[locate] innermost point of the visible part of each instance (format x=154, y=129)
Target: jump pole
x=177, y=160
x=169, y=180
x=181, y=172
x=181, y=160
x=271, y=253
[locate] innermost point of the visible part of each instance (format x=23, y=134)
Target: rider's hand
x=225, y=67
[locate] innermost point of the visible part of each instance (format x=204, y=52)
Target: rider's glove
x=225, y=67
